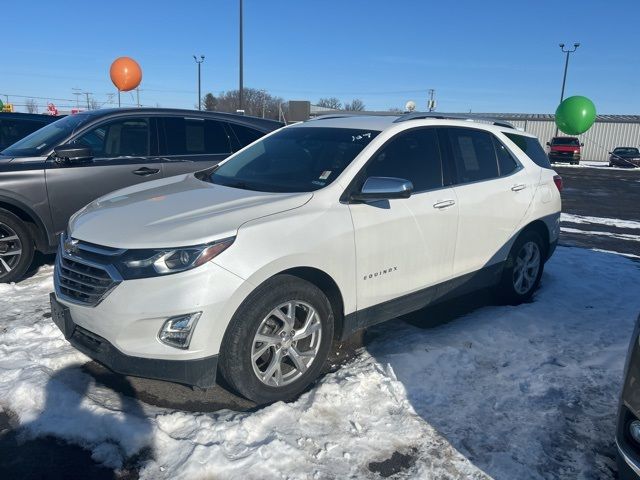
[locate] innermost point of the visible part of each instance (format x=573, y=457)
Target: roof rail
x=329, y=116
x=451, y=116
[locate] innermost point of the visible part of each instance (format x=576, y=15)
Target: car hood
x=175, y=212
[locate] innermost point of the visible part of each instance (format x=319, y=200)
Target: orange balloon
x=125, y=73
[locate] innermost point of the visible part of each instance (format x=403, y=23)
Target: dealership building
x=608, y=132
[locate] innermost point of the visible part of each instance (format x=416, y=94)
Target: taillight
x=557, y=179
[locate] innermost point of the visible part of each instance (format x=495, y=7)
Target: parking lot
x=466, y=389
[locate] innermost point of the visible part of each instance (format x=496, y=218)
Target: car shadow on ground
x=32, y=451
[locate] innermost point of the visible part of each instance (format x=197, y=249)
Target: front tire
x=16, y=247
x=278, y=340
x=523, y=269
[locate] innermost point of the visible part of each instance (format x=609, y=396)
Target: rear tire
x=16, y=247
x=272, y=351
x=523, y=269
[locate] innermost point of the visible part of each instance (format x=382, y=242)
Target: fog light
x=634, y=431
x=177, y=331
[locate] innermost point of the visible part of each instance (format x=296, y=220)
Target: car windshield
x=44, y=139
x=626, y=151
x=296, y=159
x=565, y=141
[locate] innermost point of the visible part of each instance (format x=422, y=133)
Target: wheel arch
x=541, y=228
x=33, y=221
x=329, y=287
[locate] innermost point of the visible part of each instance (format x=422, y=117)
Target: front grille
x=82, y=280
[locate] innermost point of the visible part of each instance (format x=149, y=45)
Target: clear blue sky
x=487, y=56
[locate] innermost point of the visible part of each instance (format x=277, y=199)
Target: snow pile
x=521, y=392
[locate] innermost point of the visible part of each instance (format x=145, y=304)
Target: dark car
x=565, y=149
x=624, y=157
x=50, y=174
x=628, y=430
x=15, y=126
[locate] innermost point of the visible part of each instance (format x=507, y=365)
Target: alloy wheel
x=10, y=249
x=527, y=266
x=286, y=343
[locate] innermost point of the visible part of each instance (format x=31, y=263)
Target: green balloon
x=575, y=115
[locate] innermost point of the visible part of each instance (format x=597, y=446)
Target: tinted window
x=128, y=137
x=13, y=130
x=245, y=135
x=473, y=153
x=43, y=140
x=295, y=159
x=412, y=155
x=574, y=142
x=506, y=163
x=531, y=147
x=195, y=136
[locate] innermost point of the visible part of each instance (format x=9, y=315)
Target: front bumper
x=197, y=372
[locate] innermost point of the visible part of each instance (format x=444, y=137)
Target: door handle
x=444, y=204
x=518, y=187
x=145, y=171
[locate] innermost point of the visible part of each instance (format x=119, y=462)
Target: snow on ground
x=610, y=222
x=594, y=164
x=619, y=236
x=514, y=392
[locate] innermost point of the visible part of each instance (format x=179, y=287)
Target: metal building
x=608, y=132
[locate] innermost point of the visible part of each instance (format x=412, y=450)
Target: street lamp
x=566, y=65
x=199, y=93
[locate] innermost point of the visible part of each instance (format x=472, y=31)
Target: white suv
x=254, y=267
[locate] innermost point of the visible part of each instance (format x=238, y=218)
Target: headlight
x=152, y=263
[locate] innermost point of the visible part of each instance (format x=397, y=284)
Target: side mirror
x=582, y=144
x=383, y=188
x=548, y=144
x=73, y=153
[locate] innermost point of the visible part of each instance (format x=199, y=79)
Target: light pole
x=240, y=92
x=566, y=66
x=199, y=93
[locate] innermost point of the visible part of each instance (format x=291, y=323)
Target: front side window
x=195, y=136
x=413, y=155
x=473, y=154
x=43, y=140
x=127, y=137
x=295, y=159
x=531, y=148
x=245, y=135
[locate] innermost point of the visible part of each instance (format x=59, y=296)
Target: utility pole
x=240, y=90
x=199, y=92
x=77, y=92
x=432, y=101
x=138, y=96
x=566, y=67
x=87, y=94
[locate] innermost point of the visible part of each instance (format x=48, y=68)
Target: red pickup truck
x=565, y=149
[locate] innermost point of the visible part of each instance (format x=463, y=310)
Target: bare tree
x=331, y=102
x=256, y=102
x=31, y=105
x=94, y=104
x=356, y=105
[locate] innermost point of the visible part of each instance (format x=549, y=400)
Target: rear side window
x=245, y=135
x=194, y=136
x=474, y=154
x=506, y=163
x=531, y=147
x=412, y=155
